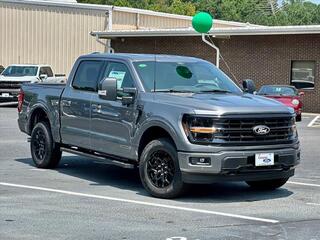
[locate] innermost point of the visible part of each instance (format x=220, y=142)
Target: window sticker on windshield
x=142, y=65
x=184, y=72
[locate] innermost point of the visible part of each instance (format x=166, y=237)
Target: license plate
x=5, y=95
x=264, y=159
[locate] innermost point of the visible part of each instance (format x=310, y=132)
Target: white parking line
x=305, y=184
x=140, y=202
x=313, y=121
x=313, y=204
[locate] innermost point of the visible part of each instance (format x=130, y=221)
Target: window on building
x=302, y=74
x=88, y=75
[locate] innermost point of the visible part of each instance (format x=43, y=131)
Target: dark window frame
x=315, y=74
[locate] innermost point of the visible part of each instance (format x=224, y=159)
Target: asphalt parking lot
x=84, y=199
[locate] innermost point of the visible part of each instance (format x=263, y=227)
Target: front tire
x=268, y=184
x=159, y=169
x=45, y=153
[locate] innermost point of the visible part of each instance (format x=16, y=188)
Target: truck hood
x=225, y=103
x=19, y=79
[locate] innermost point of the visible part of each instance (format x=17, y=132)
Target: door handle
x=66, y=103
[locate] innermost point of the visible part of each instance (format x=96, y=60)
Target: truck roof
x=30, y=65
x=144, y=57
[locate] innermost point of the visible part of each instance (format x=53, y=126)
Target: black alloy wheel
x=160, y=169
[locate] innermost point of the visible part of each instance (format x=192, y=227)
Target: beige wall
x=47, y=35
x=57, y=35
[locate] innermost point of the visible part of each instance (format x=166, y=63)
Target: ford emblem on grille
x=261, y=130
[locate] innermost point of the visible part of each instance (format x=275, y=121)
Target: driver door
x=112, y=123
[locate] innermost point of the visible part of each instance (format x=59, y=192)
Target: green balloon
x=202, y=22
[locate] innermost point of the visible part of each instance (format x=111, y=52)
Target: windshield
x=278, y=91
x=184, y=77
x=20, y=71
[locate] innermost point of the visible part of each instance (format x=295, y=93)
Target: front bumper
x=238, y=165
x=9, y=95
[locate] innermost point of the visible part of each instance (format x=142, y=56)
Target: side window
x=47, y=71
x=42, y=71
x=120, y=72
x=88, y=75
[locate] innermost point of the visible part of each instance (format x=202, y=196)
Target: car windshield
x=20, y=71
x=198, y=77
x=278, y=91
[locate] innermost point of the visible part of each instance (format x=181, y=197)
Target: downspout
x=109, y=28
x=213, y=46
x=107, y=44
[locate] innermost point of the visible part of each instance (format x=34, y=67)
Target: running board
x=99, y=157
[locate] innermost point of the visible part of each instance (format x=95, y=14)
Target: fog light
x=202, y=161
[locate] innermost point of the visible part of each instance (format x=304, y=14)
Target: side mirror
x=129, y=94
x=107, y=89
x=43, y=77
x=248, y=86
x=301, y=94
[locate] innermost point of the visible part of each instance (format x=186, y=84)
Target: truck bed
x=46, y=95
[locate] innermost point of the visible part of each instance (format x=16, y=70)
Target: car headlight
x=295, y=102
x=199, y=129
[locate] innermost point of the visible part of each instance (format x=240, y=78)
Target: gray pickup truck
x=178, y=119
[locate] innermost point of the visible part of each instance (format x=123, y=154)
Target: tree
x=263, y=12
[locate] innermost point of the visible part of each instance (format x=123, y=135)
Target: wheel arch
x=38, y=114
x=155, y=131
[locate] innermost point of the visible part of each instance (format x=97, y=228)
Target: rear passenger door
x=76, y=103
x=112, y=123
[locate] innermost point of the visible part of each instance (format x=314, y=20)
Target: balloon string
x=225, y=62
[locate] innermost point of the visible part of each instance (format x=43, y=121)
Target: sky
x=315, y=1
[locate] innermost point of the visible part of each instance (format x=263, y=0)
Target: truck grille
x=233, y=131
x=10, y=85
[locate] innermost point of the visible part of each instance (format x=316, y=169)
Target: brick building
x=56, y=32
x=268, y=55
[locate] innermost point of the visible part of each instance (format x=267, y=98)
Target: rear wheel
x=45, y=153
x=159, y=169
x=267, y=184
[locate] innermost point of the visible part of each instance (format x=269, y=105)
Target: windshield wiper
x=174, y=91
x=215, y=91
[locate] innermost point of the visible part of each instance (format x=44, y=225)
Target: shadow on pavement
x=8, y=104
x=128, y=179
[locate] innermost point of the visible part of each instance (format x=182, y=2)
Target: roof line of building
x=116, y=8
x=236, y=31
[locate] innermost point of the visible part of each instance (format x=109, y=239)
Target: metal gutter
x=60, y=4
x=236, y=31
x=100, y=7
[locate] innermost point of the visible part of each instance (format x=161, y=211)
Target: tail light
x=20, y=100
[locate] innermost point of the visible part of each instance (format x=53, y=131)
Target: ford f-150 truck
x=178, y=119
x=15, y=75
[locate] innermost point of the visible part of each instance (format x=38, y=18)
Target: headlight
x=199, y=129
x=295, y=102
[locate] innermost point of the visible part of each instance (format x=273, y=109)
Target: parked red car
x=287, y=95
